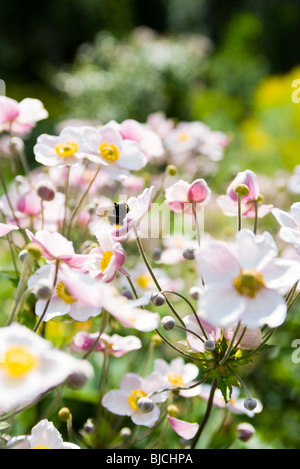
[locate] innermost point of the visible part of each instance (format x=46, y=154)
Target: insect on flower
x=115, y=214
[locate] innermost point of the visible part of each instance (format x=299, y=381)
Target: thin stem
x=66, y=199
x=105, y=367
x=141, y=249
x=162, y=434
x=20, y=289
x=192, y=308
x=95, y=343
x=207, y=413
x=255, y=216
x=239, y=212
x=178, y=388
x=241, y=382
x=229, y=348
x=267, y=337
x=48, y=301
x=12, y=255
x=197, y=224
x=81, y=201
x=176, y=348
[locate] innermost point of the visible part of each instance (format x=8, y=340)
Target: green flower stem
x=239, y=221
x=75, y=211
x=176, y=348
x=103, y=378
x=20, y=288
x=207, y=413
x=197, y=224
x=162, y=434
x=190, y=331
x=178, y=388
x=192, y=308
x=48, y=301
x=141, y=249
x=102, y=328
x=255, y=216
x=12, y=254
x=229, y=348
x=241, y=383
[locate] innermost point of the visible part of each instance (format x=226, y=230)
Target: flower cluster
x=76, y=225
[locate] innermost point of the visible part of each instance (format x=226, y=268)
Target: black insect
x=115, y=214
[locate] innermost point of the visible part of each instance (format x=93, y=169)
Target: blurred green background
x=230, y=64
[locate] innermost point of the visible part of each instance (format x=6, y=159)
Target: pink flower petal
x=184, y=429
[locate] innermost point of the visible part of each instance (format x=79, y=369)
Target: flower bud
x=156, y=339
x=156, y=254
x=171, y=169
x=209, y=345
x=77, y=380
x=23, y=255
x=43, y=289
x=158, y=299
x=242, y=190
x=64, y=414
x=172, y=410
x=89, y=426
x=145, y=404
x=35, y=250
x=125, y=433
x=189, y=254
x=46, y=190
x=127, y=294
x=250, y=404
x=168, y=323
x=245, y=431
x=195, y=292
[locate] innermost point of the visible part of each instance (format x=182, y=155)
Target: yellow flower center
x=183, y=136
x=135, y=396
x=106, y=257
x=109, y=152
x=66, y=149
x=41, y=447
x=249, y=282
x=143, y=281
x=63, y=293
x=18, y=361
x=175, y=379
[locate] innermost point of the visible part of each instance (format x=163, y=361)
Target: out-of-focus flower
x=184, y=429
x=56, y=247
x=177, y=373
x=20, y=117
x=251, y=339
x=249, y=278
x=148, y=140
x=109, y=259
x=42, y=436
x=30, y=366
x=6, y=228
x=181, y=195
x=62, y=301
x=293, y=183
x=158, y=122
x=229, y=202
x=290, y=225
x=124, y=401
x=65, y=149
x=115, y=345
x=118, y=154
x=173, y=250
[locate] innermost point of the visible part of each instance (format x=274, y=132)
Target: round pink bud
x=198, y=191
x=46, y=190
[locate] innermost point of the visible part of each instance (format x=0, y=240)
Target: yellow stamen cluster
x=143, y=281
x=66, y=149
x=109, y=152
x=18, y=361
x=63, y=293
x=249, y=282
x=135, y=396
x=106, y=257
x=175, y=379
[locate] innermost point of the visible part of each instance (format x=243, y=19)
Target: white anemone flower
x=124, y=401
x=30, y=366
x=245, y=281
x=44, y=435
x=290, y=225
